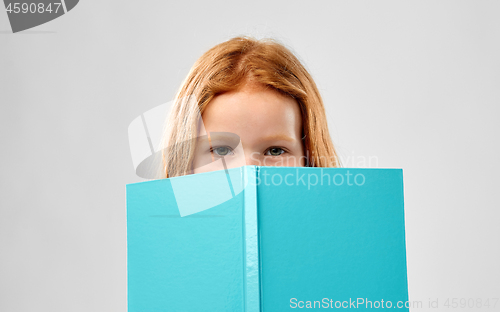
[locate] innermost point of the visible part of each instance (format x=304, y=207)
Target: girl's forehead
x=253, y=114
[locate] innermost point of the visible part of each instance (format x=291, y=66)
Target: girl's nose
x=253, y=159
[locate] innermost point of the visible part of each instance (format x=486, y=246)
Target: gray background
x=413, y=83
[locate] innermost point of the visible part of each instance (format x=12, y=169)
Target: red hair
x=226, y=67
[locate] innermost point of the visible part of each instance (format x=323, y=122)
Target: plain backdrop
x=411, y=84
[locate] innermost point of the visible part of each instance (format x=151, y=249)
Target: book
x=267, y=239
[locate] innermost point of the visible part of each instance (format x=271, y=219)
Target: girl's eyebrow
x=227, y=136
x=234, y=138
x=279, y=137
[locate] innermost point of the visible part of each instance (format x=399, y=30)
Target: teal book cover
x=267, y=239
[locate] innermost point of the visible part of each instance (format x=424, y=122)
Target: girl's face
x=253, y=125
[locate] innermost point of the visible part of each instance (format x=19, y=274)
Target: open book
x=267, y=239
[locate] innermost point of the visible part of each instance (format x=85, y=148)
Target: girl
x=258, y=106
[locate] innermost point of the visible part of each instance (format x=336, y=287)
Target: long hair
x=226, y=67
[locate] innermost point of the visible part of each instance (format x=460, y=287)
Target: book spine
x=251, y=241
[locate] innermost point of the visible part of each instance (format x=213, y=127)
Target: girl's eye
x=222, y=151
x=275, y=151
